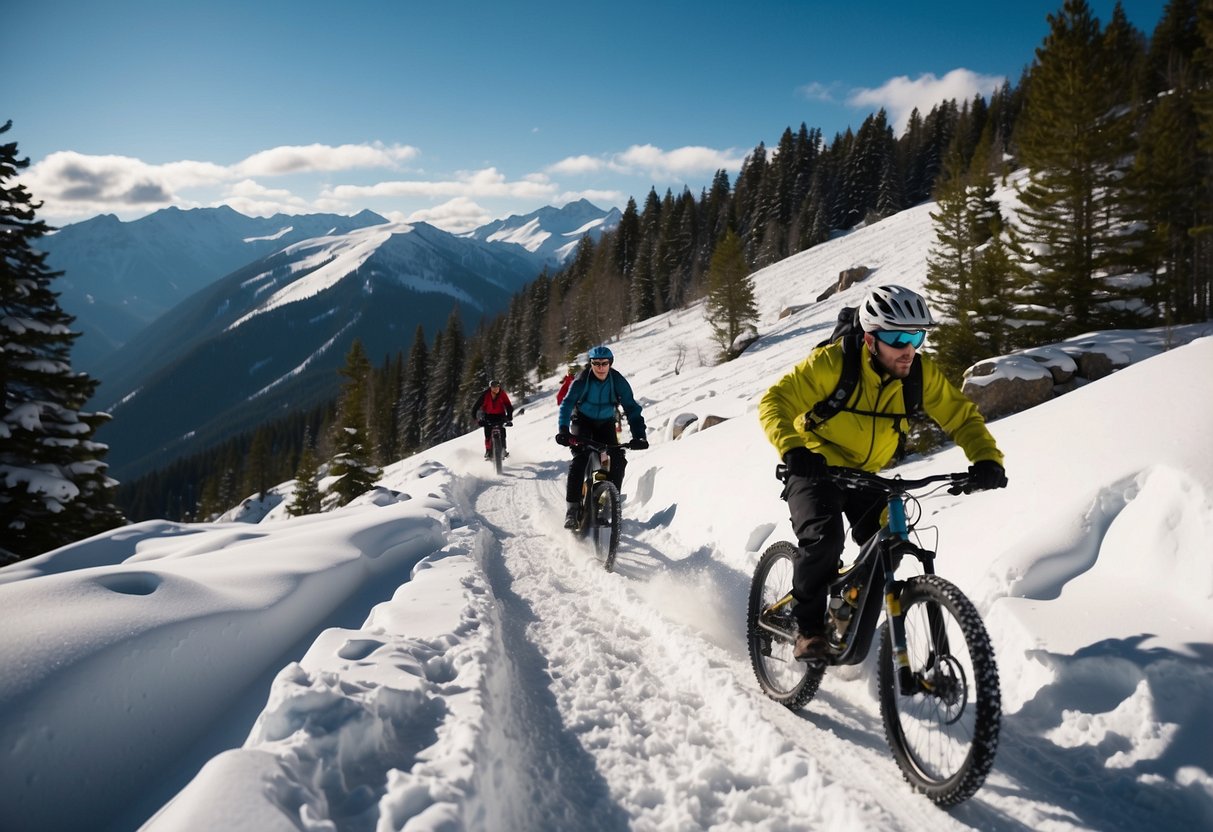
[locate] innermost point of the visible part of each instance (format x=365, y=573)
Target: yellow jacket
x=853, y=440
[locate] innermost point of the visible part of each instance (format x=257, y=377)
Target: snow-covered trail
x=635, y=719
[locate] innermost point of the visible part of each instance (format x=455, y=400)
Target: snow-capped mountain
x=118, y=276
x=270, y=337
x=551, y=233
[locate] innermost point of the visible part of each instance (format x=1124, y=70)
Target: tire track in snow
x=674, y=727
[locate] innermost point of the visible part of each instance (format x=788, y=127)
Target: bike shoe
x=570, y=517
x=812, y=647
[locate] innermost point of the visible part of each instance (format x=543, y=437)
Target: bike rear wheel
x=944, y=732
x=789, y=682
x=603, y=522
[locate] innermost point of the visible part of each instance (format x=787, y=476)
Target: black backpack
x=848, y=331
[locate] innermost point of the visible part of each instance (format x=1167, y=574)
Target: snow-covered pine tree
x=351, y=462
x=53, y=485
x=307, y=482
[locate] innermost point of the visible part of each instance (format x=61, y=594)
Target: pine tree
x=730, y=303
x=1202, y=234
x=413, y=400
x=747, y=200
x=257, y=477
x=535, y=313
x=1170, y=189
x=969, y=275
x=351, y=463
x=53, y=486
x=443, y=420
x=627, y=240
x=306, y=499
x=1075, y=142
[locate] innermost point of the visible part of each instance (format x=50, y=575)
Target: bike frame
x=598, y=466
x=876, y=565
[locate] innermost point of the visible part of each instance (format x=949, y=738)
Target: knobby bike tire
x=944, y=740
x=604, y=522
x=498, y=452
x=789, y=682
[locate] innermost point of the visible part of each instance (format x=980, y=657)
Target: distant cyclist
x=494, y=408
x=863, y=435
x=588, y=411
x=567, y=382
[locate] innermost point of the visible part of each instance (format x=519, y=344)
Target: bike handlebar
x=591, y=445
x=855, y=478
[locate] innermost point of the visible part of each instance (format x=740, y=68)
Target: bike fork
x=906, y=682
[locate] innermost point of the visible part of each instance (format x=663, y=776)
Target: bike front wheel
x=498, y=451
x=943, y=729
x=603, y=523
x=771, y=632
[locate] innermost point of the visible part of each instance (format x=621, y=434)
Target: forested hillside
x=1115, y=128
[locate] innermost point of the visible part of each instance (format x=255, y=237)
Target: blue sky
x=461, y=112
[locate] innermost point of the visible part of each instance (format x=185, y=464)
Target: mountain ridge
x=284, y=323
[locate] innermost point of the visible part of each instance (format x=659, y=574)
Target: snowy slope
x=446, y=656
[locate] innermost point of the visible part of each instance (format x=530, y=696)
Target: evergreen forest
x=1113, y=126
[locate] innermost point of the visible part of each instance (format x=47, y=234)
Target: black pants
x=488, y=435
x=817, y=508
x=603, y=432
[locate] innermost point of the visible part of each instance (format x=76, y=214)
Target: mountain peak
x=549, y=232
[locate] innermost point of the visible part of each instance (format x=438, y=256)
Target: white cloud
x=597, y=196
x=652, y=161
x=575, y=165
x=486, y=183
x=456, y=216
x=816, y=91
x=900, y=95
x=318, y=157
x=72, y=184
x=254, y=200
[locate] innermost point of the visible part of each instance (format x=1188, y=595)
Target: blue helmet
x=601, y=352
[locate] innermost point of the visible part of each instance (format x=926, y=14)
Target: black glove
x=985, y=475
x=638, y=443
x=564, y=438
x=802, y=462
x=509, y=424
x=483, y=423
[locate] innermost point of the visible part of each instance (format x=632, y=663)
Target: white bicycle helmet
x=896, y=308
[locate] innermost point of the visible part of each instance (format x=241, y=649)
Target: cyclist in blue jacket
x=588, y=411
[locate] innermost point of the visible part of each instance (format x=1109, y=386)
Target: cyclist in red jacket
x=566, y=382
x=494, y=408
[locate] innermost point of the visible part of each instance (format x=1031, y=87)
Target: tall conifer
x=53, y=486
x=352, y=463
x=1075, y=140
x=730, y=303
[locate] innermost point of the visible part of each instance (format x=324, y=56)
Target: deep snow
x=442, y=655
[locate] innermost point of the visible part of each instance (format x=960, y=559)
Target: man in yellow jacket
x=864, y=434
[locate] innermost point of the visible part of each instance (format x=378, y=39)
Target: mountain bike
x=496, y=441
x=598, y=517
x=937, y=678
